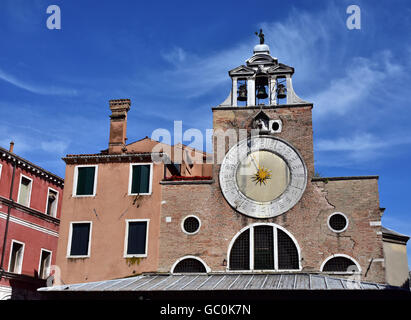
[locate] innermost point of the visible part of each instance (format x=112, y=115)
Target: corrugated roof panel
x=257, y=281
x=210, y=282
x=143, y=283
x=349, y=284
x=287, y=281
x=82, y=286
x=183, y=282
x=241, y=282
x=121, y=283
x=226, y=281
x=369, y=286
x=161, y=285
x=176, y=281
x=99, y=285
x=317, y=282
x=334, y=284
x=196, y=283
x=272, y=282
x=302, y=282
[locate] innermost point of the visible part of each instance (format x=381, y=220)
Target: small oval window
x=338, y=222
x=191, y=224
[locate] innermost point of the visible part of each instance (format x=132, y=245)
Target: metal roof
x=211, y=282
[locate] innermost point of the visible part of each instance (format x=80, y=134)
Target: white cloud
x=360, y=148
x=54, y=146
x=358, y=142
x=176, y=55
x=301, y=40
x=363, y=78
x=43, y=90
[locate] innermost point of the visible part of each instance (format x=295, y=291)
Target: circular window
x=338, y=222
x=191, y=224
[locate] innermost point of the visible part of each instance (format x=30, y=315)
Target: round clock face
x=263, y=177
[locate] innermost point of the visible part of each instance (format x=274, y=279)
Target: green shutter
x=141, y=179
x=85, y=181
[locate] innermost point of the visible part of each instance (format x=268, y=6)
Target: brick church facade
x=125, y=214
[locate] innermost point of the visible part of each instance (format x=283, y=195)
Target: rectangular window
x=45, y=262
x=24, y=191
x=16, y=256
x=79, y=242
x=136, y=238
x=140, y=179
x=52, y=198
x=85, y=180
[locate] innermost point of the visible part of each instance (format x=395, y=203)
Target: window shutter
x=79, y=239
x=24, y=191
x=137, y=232
x=85, y=180
x=141, y=179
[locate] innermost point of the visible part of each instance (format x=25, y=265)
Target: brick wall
x=357, y=198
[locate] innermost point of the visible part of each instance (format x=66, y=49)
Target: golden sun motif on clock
x=262, y=175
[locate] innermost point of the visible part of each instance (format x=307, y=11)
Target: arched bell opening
x=262, y=89
x=281, y=90
x=242, y=94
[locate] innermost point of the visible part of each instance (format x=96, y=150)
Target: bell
x=261, y=93
x=242, y=93
x=281, y=91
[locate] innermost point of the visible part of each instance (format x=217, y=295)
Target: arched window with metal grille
x=340, y=264
x=264, y=247
x=189, y=265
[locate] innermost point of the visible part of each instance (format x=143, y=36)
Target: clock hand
x=255, y=163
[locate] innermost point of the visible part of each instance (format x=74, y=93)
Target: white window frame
x=47, y=202
x=182, y=224
x=341, y=272
x=74, y=194
x=70, y=240
x=20, y=266
x=1, y=169
x=48, y=267
x=130, y=179
x=207, y=268
x=31, y=188
x=346, y=219
x=126, y=239
x=275, y=248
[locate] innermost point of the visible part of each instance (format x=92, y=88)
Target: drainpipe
x=8, y=218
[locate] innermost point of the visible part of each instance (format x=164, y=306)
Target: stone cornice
x=343, y=178
x=181, y=182
x=31, y=167
x=30, y=211
x=270, y=107
x=104, y=158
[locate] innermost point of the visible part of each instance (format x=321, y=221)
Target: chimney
x=11, y=146
x=118, y=125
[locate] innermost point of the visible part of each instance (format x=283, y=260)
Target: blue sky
x=171, y=59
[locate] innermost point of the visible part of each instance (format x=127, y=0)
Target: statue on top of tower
x=261, y=36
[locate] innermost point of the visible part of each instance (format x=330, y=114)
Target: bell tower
x=262, y=98
x=262, y=81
